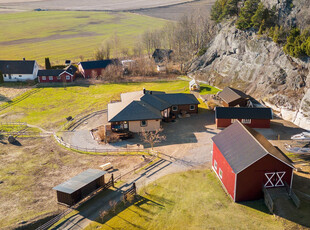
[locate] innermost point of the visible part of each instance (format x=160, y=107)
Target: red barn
x=245, y=161
x=57, y=75
x=252, y=117
x=94, y=68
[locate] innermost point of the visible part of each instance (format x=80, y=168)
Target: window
x=192, y=107
x=67, y=77
x=51, y=78
x=215, y=165
x=143, y=123
x=20, y=75
x=174, y=108
x=4, y=75
x=221, y=173
x=58, y=78
x=43, y=78
x=246, y=121
x=234, y=120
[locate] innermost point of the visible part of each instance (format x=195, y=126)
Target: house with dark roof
x=253, y=117
x=94, y=68
x=75, y=189
x=231, y=97
x=22, y=70
x=245, y=162
x=144, y=110
x=57, y=75
x=162, y=55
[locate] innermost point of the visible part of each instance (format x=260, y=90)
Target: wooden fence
x=130, y=192
x=292, y=195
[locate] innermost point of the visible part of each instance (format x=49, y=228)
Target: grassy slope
x=50, y=106
x=78, y=33
x=190, y=200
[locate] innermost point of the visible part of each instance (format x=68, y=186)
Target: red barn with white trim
x=245, y=161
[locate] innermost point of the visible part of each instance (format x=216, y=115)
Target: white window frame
x=220, y=173
x=43, y=78
x=234, y=120
x=215, y=165
x=246, y=121
x=67, y=77
x=142, y=124
x=192, y=107
x=175, y=108
x=50, y=78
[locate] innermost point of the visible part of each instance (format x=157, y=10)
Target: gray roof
x=242, y=113
x=136, y=111
x=178, y=98
x=242, y=146
x=79, y=181
x=230, y=94
x=17, y=67
x=98, y=64
x=155, y=101
x=50, y=72
x=71, y=69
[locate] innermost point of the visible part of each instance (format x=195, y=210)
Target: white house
x=194, y=85
x=19, y=70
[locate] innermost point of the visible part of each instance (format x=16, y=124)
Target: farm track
x=18, y=99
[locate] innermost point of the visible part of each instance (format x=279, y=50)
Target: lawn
x=50, y=106
x=207, y=89
x=189, y=200
x=63, y=35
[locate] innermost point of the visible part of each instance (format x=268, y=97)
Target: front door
x=274, y=179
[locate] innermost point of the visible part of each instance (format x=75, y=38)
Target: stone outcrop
x=257, y=65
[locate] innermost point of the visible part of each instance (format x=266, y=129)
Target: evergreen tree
x=246, y=13
x=47, y=63
x=216, y=11
x=259, y=16
x=276, y=33
x=262, y=27
x=231, y=8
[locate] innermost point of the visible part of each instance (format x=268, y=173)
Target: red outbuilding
x=57, y=75
x=94, y=68
x=252, y=117
x=245, y=161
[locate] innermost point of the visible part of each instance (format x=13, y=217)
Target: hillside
x=254, y=63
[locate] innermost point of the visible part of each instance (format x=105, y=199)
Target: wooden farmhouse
x=231, y=97
x=78, y=187
x=94, y=68
x=57, y=75
x=252, y=117
x=245, y=162
x=23, y=70
x=144, y=110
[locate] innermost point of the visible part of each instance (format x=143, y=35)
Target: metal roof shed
x=73, y=190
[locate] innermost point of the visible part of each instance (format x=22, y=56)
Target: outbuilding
x=94, y=68
x=78, y=187
x=245, y=162
x=252, y=117
x=231, y=97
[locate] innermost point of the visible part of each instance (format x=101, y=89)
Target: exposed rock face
x=258, y=66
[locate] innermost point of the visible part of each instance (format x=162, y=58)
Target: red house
x=245, y=161
x=57, y=75
x=252, y=117
x=94, y=68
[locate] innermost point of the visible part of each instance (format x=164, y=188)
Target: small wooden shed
x=194, y=85
x=233, y=97
x=78, y=187
x=245, y=162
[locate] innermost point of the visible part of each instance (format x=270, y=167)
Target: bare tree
x=152, y=137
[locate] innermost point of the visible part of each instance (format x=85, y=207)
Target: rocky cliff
x=257, y=65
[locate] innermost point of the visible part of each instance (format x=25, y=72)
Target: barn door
x=274, y=179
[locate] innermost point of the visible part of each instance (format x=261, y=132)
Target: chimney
x=143, y=90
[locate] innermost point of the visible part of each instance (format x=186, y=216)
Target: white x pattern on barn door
x=274, y=179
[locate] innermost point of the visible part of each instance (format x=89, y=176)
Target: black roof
x=50, y=72
x=230, y=94
x=71, y=69
x=161, y=55
x=242, y=113
x=178, y=98
x=17, y=67
x=136, y=111
x=155, y=101
x=98, y=64
x=79, y=181
x=242, y=146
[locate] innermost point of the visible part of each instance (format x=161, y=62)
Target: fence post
x=112, y=178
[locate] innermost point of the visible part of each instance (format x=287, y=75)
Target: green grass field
x=63, y=35
x=189, y=200
x=50, y=106
x=207, y=89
